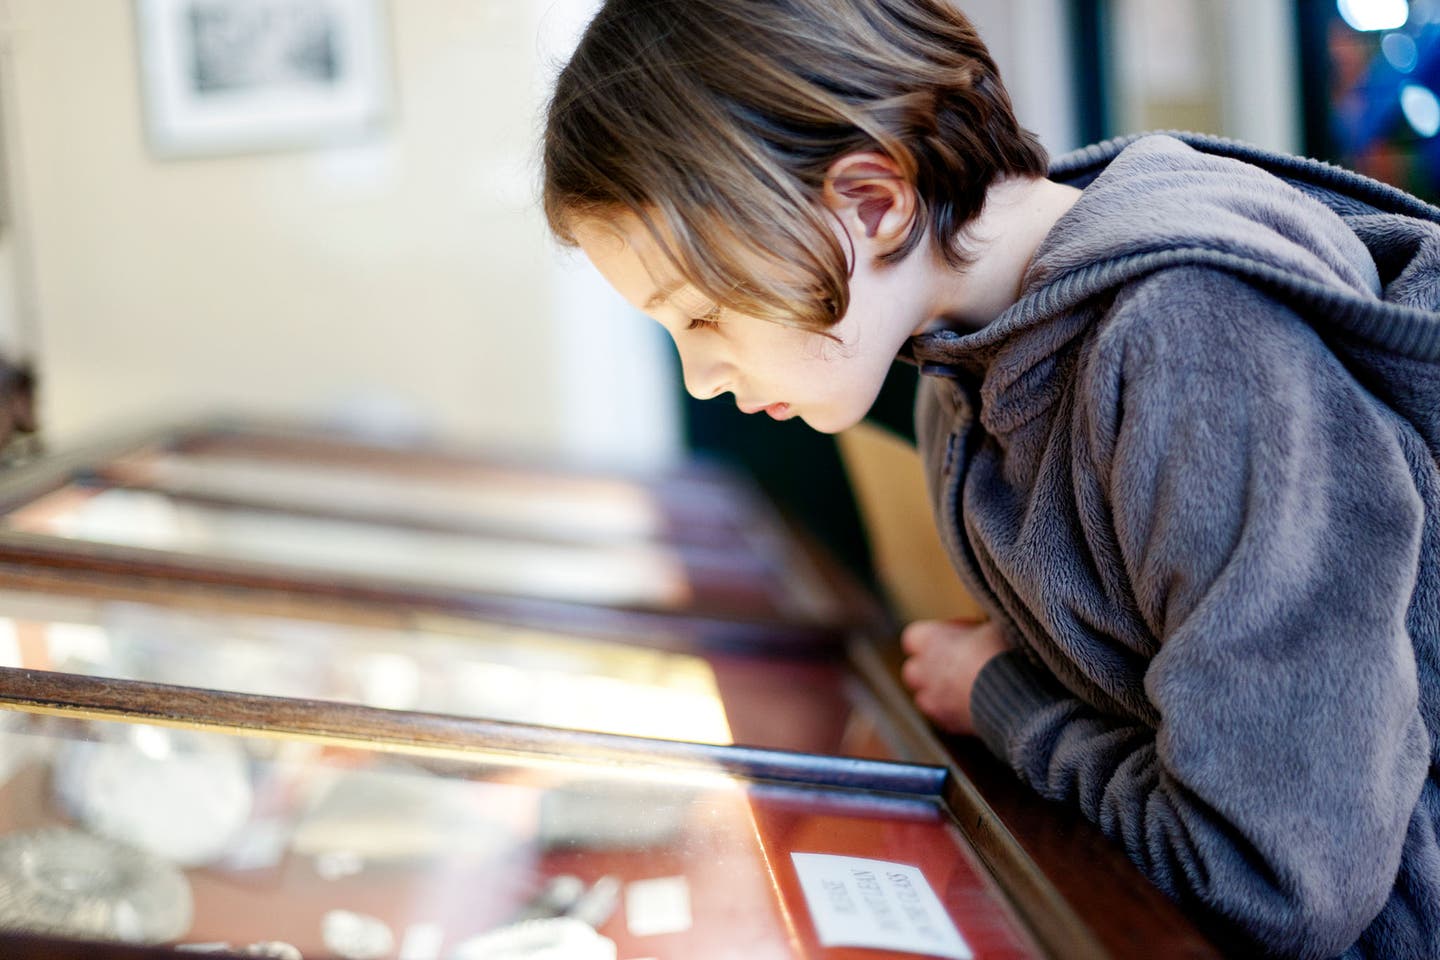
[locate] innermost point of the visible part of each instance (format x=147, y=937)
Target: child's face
x=781, y=370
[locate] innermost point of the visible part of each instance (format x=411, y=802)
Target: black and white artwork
x=225, y=76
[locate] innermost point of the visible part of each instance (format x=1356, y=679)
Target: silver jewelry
x=555, y=899
x=596, y=904
x=179, y=794
x=356, y=936
x=65, y=882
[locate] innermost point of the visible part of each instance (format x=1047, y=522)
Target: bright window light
x=1421, y=108
x=1366, y=15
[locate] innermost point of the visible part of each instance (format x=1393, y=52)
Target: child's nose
x=704, y=377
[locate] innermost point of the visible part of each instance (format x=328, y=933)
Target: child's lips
x=780, y=411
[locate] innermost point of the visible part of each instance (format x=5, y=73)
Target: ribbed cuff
x=1009, y=691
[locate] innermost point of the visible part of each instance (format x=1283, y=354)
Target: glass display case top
x=454, y=666
x=203, y=839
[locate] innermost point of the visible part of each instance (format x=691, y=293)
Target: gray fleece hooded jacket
x=1195, y=470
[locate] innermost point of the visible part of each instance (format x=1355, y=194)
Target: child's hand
x=945, y=657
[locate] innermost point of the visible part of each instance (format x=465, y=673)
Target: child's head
x=720, y=119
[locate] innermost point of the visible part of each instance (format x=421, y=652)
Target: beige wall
x=411, y=268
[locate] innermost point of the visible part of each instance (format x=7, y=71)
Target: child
x=1181, y=421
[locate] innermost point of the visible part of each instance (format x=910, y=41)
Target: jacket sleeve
x=1269, y=529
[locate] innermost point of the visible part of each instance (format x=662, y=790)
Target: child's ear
x=872, y=198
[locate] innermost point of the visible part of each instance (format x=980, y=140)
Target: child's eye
x=708, y=322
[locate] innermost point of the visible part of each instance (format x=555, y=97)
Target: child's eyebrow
x=660, y=296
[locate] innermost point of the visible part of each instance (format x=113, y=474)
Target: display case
x=293, y=467
x=693, y=552
x=236, y=754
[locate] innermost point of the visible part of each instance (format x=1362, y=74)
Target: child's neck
x=1017, y=217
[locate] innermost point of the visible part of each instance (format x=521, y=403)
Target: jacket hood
x=1349, y=252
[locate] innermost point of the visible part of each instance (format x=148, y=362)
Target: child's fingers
x=912, y=672
x=915, y=637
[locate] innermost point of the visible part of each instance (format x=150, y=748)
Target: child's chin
x=830, y=421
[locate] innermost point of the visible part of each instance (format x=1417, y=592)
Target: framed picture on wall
x=226, y=76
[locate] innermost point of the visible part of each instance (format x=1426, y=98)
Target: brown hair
x=715, y=122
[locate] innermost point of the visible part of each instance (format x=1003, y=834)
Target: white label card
x=875, y=903
x=658, y=906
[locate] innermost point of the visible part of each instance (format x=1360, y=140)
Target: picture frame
x=235, y=76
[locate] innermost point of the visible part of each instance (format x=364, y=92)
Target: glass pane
x=738, y=557
x=453, y=666
x=162, y=835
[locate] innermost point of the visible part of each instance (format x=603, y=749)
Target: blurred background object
x=19, y=437
x=1373, y=69
x=1226, y=67
x=1355, y=82
x=230, y=77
